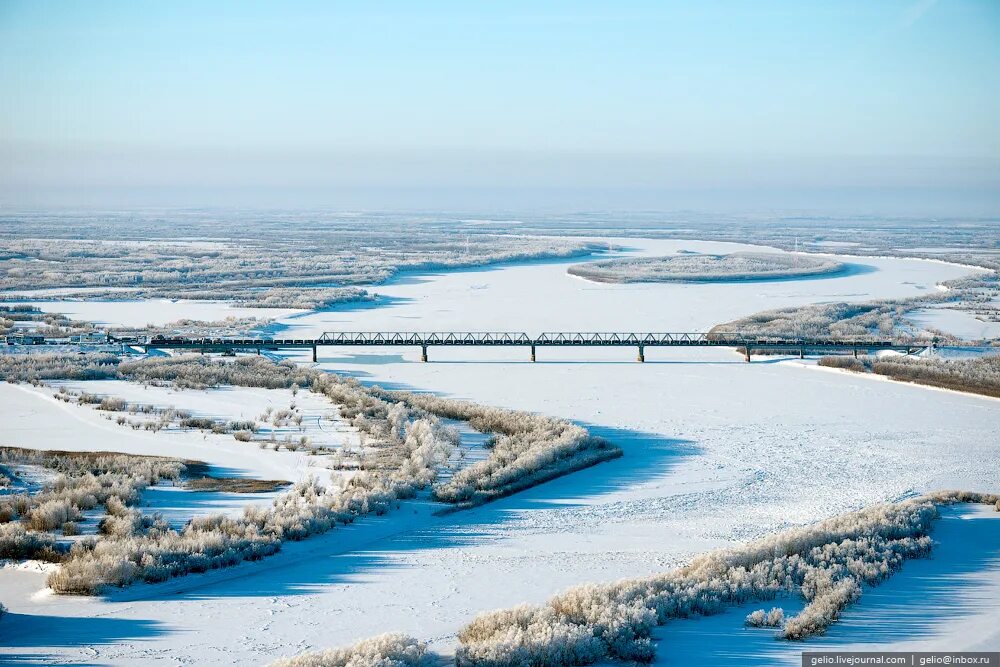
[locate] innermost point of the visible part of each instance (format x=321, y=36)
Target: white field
x=716, y=451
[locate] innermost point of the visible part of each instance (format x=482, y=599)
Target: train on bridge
x=639, y=340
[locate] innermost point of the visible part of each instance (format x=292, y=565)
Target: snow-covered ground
x=716, y=451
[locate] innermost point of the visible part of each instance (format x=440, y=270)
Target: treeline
x=827, y=563
x=979, y=375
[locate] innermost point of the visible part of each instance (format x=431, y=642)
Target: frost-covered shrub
x=388, y=650
x=826, y=563
x=527, y=449
x=112, y=404
x=765, y=619
x=51, y=514
x=144, y=548
x=824, y=608
x=16, y=543
x=86, y=480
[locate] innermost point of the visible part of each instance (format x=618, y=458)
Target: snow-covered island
x=704, y=267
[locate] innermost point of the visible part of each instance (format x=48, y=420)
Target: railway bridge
x=640, y=341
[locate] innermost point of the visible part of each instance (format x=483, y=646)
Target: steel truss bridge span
x=640, y=341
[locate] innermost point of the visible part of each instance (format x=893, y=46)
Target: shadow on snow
x=26, y=631
x=646, y=456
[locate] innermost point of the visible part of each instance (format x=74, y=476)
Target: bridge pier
x=746, y=353
x=642, y=354
x=855, y=353
x=532, y=352
x=423, y=353
x=802, y=353
x=314, y=354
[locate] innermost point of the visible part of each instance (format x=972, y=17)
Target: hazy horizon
x=887, y=107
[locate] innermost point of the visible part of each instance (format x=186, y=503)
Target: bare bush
x=198, y=372
x=388, y=650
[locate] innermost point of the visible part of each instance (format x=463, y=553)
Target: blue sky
x=327, y=96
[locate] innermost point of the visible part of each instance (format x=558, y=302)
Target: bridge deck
x=548, y=339
x=559, y=338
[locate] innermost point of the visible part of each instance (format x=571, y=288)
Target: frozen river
x=716, y=451
x=542, y=297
